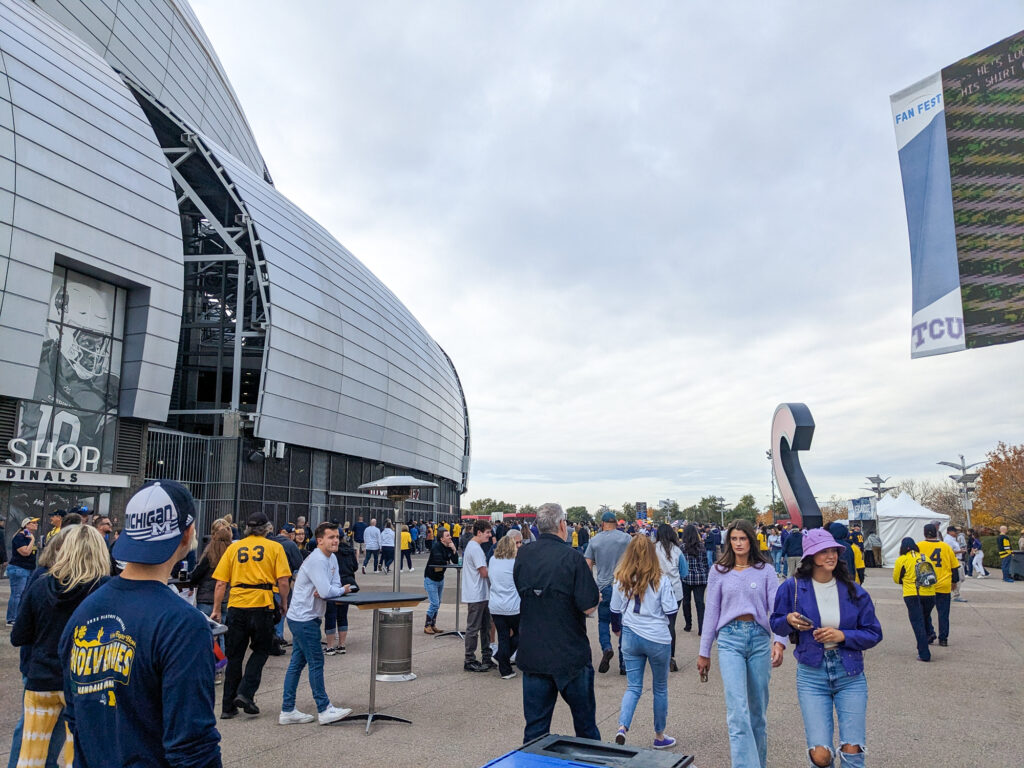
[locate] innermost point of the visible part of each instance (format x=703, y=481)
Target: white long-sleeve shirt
x=319, y=573
x=371, y=537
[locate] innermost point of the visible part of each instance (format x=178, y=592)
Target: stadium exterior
x=166, y=312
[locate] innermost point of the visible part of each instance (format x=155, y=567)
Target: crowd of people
x=104, y=658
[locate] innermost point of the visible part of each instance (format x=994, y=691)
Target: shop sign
x=40, y=461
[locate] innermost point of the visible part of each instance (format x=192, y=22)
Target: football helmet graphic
x=84, y=343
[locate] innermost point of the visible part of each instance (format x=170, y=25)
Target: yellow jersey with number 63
x=252, y=567
x=941, y=556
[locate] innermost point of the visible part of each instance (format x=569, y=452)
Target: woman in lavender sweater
x=739, y=601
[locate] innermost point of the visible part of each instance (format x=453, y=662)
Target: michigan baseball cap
x=27, y=520
x=154, y=521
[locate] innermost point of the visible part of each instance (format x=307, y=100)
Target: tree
x=943, y=496
x=629, y=512
x=834, y=509
x=707, y=510
x=1000, y=497
x=578, y=515
x=746, y=508
x=527, y=509
x=777, y=511
x=490, y=506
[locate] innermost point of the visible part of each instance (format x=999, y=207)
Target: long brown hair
x=639, y=568
x=756, y=558
x=220, y=540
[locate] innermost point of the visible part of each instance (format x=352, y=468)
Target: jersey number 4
x=243, y=554
x=936, y=557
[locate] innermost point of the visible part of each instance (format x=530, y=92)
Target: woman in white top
x=667, y=547
x=503, y=602
x=642, y=601
x=387, y=546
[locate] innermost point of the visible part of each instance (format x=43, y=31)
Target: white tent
x=902, y=517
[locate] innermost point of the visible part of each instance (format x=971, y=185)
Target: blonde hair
x=49, y=554
x=507, y=549
x=220, y=540
x=639, y=568
x=83, y=558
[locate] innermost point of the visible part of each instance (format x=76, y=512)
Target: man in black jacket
x=558, y=592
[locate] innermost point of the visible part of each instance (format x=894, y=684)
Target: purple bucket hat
x=818, y=539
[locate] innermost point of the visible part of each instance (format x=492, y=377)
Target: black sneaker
x=474, y=666
x=341, y=649
x=227, y=714
x=606, y=658
x=622, y=670
x=488, y=664
x=943, y=643
x=248, y=705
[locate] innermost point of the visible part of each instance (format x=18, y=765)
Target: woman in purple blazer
x=834, y=620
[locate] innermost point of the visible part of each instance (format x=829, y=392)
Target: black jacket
x=46, y=609
x=439, y=555
x=348, y=562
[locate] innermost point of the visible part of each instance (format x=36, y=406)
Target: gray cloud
x=635, y=229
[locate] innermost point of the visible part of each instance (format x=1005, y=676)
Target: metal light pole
x=771, y=473
x=877, y=484
x=964, y=479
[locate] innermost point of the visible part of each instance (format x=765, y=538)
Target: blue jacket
x=842, y=536
x=857, y=620
x=793, y=544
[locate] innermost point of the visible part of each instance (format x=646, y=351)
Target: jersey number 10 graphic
x=792, y=430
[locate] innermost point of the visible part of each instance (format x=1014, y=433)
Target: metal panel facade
x=82, y=183
x=349, y=369
x=161, y=45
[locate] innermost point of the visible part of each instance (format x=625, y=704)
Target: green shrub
x=988, y=544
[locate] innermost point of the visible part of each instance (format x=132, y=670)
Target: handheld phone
x=804, y=619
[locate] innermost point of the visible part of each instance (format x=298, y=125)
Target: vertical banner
x=937, y=324
x=960, y=136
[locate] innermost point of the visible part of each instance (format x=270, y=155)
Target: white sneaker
x=289, y=718
x=512, y=658
x=333, y=714
x=494, y=648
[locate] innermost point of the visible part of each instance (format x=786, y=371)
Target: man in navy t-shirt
x=138, y=660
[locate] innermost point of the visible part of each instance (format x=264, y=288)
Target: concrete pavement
x=962, y=708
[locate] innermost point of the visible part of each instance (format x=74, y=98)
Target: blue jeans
x=942, y=609
x=604, y=623
x=638, y=652
x=777, y=560
x=19, y=578
x=1004, y=564
x=279, y=627
x=305, y=650
x=822, y=689
x=745, y=662
x=711, y=557
x=540, y=692
x=915, y=612
x=434, y=590
x=376, y=558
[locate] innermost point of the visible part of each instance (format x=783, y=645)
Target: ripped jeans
x=822, y=689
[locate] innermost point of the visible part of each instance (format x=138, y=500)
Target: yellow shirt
x=575, y=539
x=904, y=572
x=763, y=541
x=941, y=556
x=457, y=530
x=406, y=540
x=254, y=560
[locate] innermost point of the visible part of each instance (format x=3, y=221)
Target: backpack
x=924, y=573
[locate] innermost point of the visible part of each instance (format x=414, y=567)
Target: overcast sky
x=636, y=228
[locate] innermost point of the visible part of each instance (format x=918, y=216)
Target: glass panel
x=89, y=303
x=46, y=376
x=119, y=307
x=338, y=473
x=321, y=464
x=300, y=467
x=57, y=296
x=84, y=365
x=114, y=382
